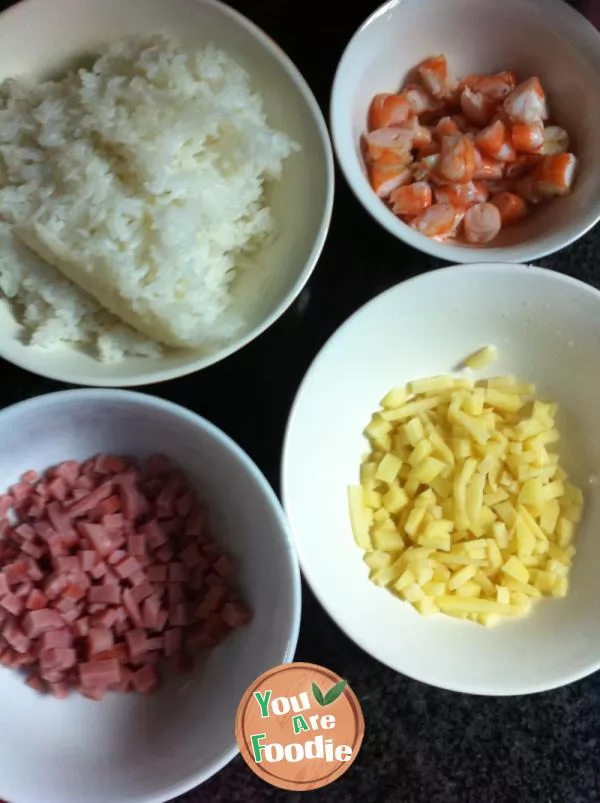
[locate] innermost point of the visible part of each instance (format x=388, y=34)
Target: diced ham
x=196, y=522
x=6, y=503
x=157, y=573
x=83, y=506
x=142, y=591
x=94, y=674
x=155, y=535
x=99, y=640
x=95, y=693
x=58, y=489
x=118, y=556
x=98, y=536
x=88, y=559
x=67, y=471
x=175, y=593
x=58, y=658
x=105, y=594
x=15, y=637
x=4, y=586
x=136, y=545
x=235, y=614
x=56, y=639
x=178, y=572
x=25, y=531
x=36, y=600
x=127, y=567
x=213, y=600
x=156, y=465
x=106, y=618
x=110, y=578
x=99, y=569
x=12, y=604
x=136, y=642
x=109, y=464
x=146, y=679
x=36, y=683
x=165, y=553
x=132, y=608
x=20, y=491
x=126, y=681
x=113, y=521
x=133, y=503
x=191, y=556
x=35, y=623
x=59, y=519
x=81, y=626
x=59, y=690
x=34, y=550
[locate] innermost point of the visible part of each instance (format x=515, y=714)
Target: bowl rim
x=459, y=271
x=200, y=363
x=540, y=247
x=225, y=441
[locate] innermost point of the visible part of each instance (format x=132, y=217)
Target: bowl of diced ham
x=469, y=130
x=146, y=578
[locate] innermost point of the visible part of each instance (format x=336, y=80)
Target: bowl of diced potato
x=439, y=474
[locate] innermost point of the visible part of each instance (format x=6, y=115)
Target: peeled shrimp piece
x=554, y=175
x=412, y=199
x=527, y=103
x=522, y=165
x=389, y=146
x=420, y=135
x=385, y=179
x=500, y=185
x=438, y=220
x=487, y=168
x=528, y=138
x=495, y=141
x=511, y=206
x=477, y=108
x=420, y=101
x=388, y=110
x=482, y=223
x=495, y=87
x=447, y=127
x=427, y=169
x=462, y=195
x=458, y=160
x=434, y=74
x=556, y=140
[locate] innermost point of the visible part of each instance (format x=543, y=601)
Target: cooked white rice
x=142, y=182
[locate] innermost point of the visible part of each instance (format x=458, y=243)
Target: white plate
x=35, y=41
x=547, y=330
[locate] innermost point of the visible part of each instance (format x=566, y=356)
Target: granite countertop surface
x=422, y=745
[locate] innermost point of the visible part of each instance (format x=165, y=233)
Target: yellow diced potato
x=412, y=593
x=452, y=559
x=573, y=495
x=441, y=542
x=372, y=499
x=549, y=517
x=559, y=554
x=384, y=576
x=532, y=493
x=367, y=475
x=476, y=605
x=388, y=469
x=422, y=450
x=414, y=521
x=514, y=568
x=422, y=571
x=565, y=531
x=557, y=567
x=476, y=428
x=521, y=602
x=534, y=561
x=441, y=573
x=395, y=499
x=442, y=487
x=426, y=499
x=510, y=402
x=474, y=501
x=494, y=498
x=440, y=447
x=387, y=539
x=507, y=513
x=469, y=589
x=528, y=429
x=554, y=490
x=525, y=588
x=461, y=448
x=405, y=580
x=411, y=486
x=378, y=427
x=503, y=595
x=489, y=619
x=395, y=398
x=460, y=577
x=426, y=606
x=488, y=589
x=377, y=560
x=410, y=409
x=473, y=403
x=434, y=589
x=561, y=586
x=482, y=358
x=461, y=481
x=494, y=556
x=544, y=413
x=500, y=534
x=433, y=383
x=573, y=513
x=413, y=431
x=544, y=581
x=428, y=469
x=510, y=384
x=381, y=516
x=525, y=539
x=360, y=517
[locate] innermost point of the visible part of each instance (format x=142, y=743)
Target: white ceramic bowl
x=534, y=37
x=547, y=330
x=130, y=748
x=36, y=40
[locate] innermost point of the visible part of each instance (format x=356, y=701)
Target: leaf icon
x=318, y=694
x=334, y=692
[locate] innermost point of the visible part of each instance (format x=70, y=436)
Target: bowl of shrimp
x=470, y=130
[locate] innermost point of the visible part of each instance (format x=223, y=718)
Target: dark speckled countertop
x=422, y=745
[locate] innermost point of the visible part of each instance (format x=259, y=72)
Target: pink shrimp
x=554, y=175
x=386, y=178
x=556, y=140
x=495, y=140
x=462, y=195
x=495, y=87
x=482, y=223
x=459, y=160
x=412, y=199
x=447, y=127
x=527, y=103
x=487, y=168
x=528, y=138
x=427, y=169
x=436, y=78
x=522, y=165
x=388, y=110
x=420, y=101
x=438, y=220
x=511, y=206
x=420, y=135
x=477, y=108
x=389, y=146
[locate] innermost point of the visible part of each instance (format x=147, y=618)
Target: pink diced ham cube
x=12, y=603
x=99, y=640
x=94, y=674
x=146, y=679
x=105, y=594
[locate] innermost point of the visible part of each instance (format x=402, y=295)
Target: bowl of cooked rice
x=166, y=187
